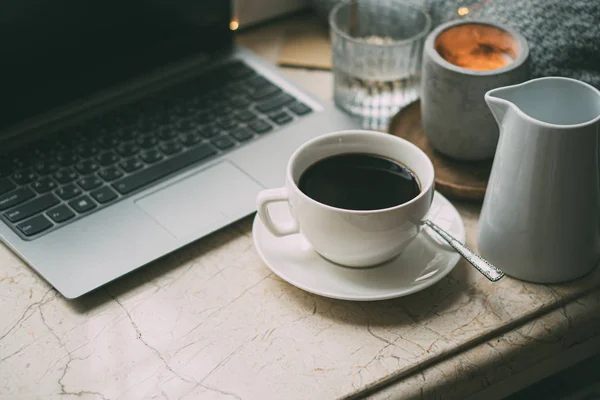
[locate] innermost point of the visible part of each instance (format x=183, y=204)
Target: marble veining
x=211, y=321
x=505, y=356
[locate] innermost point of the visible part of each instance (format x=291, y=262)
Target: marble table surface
x=211, y=321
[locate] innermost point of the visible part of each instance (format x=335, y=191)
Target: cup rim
x=429, y=47
x=423, y=33
x=427, y=186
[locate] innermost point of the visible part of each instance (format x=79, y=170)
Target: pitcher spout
x=549, y=101
x=497, y=103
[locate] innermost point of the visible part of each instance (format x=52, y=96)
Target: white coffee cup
x=354, y=238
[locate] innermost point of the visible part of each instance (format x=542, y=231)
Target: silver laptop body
x=80, y=255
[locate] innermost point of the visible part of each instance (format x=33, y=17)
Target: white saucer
x=424, y=262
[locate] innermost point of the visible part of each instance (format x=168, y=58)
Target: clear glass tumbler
x=377, y=49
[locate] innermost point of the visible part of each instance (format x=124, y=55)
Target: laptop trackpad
x=203, y=200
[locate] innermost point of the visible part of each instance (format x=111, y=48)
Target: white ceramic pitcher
x=540, y=220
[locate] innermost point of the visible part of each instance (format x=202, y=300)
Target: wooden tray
x=454, y=179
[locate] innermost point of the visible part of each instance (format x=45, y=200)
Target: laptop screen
x=54, y=52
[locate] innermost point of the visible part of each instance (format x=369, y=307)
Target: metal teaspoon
x=482, y=265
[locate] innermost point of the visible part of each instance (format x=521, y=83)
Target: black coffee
x=357, y=181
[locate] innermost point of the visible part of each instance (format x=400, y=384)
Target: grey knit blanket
x=563, y=35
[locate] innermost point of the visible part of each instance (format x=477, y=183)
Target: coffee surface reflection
x=359, y=181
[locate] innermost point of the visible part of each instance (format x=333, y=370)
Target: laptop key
x=281, y=118
x=89, y=182
x=223, y=143
x=147, y=141
x=265, y=92
x=87, y=166
x=107, y=158
x=60, y=214
x=23, y=177
x=157, y=171
x=103, y=195
x=127, y=149
x=239, y=70
x=242, y=134
x=66, y=159
x=299, y=108
x=260, y=126
x=128, y=133
x=275, y=103
x=167, y=133
x=6, y=185
x=68, y=192
x=45, y=168
x=34, y=225
x=110, y=174
x=223, y=111
x=190, y=139
x=15, y=197
x=108, y=142
x=246, y=116
x=185, y=125
x=21, y=161
x=131, y=164
x=151, y=156
x=43, y=185
x=258, y=81
x=87, y=150
x=82, y=204
x=227, y=123
x=209, y=131
x=239, y=102
x=171, y=147
x=65, y=175
x=33, y=207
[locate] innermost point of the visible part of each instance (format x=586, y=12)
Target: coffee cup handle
x=263, y=200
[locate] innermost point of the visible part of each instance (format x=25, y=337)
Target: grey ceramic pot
x=456, y=119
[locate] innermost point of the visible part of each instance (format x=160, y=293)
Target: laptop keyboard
x=101, y=161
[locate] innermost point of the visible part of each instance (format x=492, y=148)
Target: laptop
x=130, y=129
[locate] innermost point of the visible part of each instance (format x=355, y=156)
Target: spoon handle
x=481, y=264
